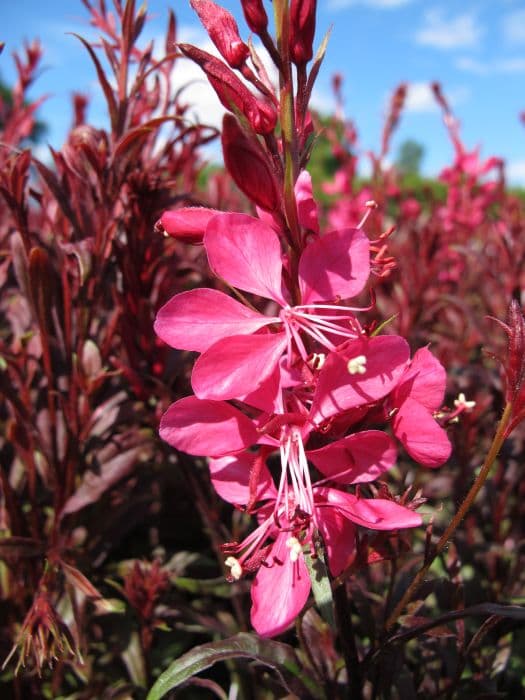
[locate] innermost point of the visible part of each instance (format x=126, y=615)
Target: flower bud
x=514, y=364
x=187, y=224
x=302, y=30
x=255, y=14
x=223, y=31
x=249, y=165
x=232, y=93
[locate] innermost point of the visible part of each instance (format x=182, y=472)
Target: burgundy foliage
x=120, y=554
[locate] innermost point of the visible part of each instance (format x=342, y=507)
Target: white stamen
x=357, y=365
x=235, y=567
x=295, y=548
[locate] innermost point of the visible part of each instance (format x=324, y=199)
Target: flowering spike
x=222, y=28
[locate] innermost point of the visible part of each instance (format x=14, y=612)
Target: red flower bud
x=249, y=165
x=233, y=94
x=223, y=31
x=187, y=224
x=514, y=364
x=302, y=30
x=516, y=354
x=255, y=14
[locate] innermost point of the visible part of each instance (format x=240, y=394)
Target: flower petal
x=205, y=428
x=338, y=390
x=279, y=591
x=230, y=477
x=307, y=211
x=268, y=396
x=196, y=319
x=424, y=381
x=334, y=266
x=357, y=458
x=236, y=366
x=422, y=437
x=372, y=513
x=246, y=253
x=339, y=538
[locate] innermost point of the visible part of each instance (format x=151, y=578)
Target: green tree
x=409, y=157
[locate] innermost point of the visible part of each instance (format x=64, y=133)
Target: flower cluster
x=288, y=375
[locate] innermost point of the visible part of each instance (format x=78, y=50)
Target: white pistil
x=357, y=365
x=370, y=205
x=295, y=548
x=235, y=567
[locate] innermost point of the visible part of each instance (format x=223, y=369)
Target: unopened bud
x=302, y=30
x=233, y=93
x=223, y=31
x=249, y=165
x=255, y=14
x=187, y=224
x=514, y=364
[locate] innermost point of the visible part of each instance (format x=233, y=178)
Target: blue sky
x=475, y=48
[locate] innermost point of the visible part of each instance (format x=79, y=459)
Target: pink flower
x=288, y=519
x=239, y=349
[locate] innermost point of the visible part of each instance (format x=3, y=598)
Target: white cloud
x=322, y=101
x=513, y=26
x=381, y=4
x=502, y=65
x=515, y=172
x=442, y=32
x=420, y=98
x=472, y=65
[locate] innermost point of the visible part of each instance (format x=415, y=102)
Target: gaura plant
x=289, y=379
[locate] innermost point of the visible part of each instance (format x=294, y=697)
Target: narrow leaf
x=278, y=656
x=106, y=87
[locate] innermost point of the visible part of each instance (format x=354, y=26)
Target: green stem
x=495, y=447
x=287, y=121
